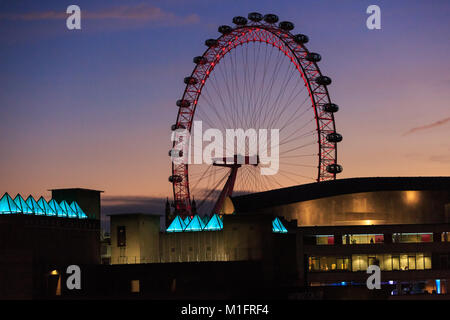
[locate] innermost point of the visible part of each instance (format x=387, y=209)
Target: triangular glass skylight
x=68, y=209
x=196, y=224
x=7, y=205
x=57, y=208
x=214, y=224
x=47, y=209
x=78, y=210
x=278, y=227
x=37, y=210
x=24, y=208
x=187, y=220
x=177, y=225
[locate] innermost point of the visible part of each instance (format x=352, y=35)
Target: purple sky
x=93, y=108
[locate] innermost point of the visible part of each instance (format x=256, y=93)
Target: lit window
x=135, y=286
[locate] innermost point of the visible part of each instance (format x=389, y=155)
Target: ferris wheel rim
x=271, y=34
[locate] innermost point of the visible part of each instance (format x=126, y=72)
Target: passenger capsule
x=200, y=60
x=190, y=80
x=175, y=179
x=323, y=80
x=255, y=16
x=240, y=21
x=334, y=137
x=183, y=103
x=301, y=38
x=286, y=25
x=271, y=18
x=334, y=168
x=330, y=107
x=211, y=43
x=175, y=153
x=313, y=57
x=225, y=29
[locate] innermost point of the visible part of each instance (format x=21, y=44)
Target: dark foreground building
x=310, y=241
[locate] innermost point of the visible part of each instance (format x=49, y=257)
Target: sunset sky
x=93, y=107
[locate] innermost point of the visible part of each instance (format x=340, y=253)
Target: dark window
x=121, y=236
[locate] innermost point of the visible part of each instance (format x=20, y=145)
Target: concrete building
x=39, y=241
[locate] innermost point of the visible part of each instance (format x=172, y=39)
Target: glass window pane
x=404, y=262
x=395, y=263
x=412, y=262
x=427, y=259
x=419, y=261
x=387, y=262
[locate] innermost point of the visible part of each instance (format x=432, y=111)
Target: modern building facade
x=335, y=230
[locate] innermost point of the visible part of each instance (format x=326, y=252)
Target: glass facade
x=330, y=263
x=412, y=237
x=360, y=262
x=324, y=239
x=362, y=238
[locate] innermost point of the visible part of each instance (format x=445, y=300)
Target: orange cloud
x=428, y=126
x=142, y=12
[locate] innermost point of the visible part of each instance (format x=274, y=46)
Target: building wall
x=242, y=238
x=32, y=246
x=381, y=207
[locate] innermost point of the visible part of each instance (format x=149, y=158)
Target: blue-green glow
x=214, y=224
x=68, y=209
x=40, y=207
x=47, y=209
x=186, y=221
x=23, y=206
x=78, y=210
x=278, y=227
x=177, y=225
x=57, y=208
x=196, y=224
x=7, y=205
x=37, y=210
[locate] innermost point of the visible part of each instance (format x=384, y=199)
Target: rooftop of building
x=311, y=191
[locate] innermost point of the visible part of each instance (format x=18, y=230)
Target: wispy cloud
x=141, y=12
x=428, y=126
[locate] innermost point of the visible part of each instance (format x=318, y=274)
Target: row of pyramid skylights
x=213, y=224
x=196, y=224
x=40, y=207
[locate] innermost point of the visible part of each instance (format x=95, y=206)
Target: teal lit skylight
x=278, y=227
x=23, y=206
x=47, y=209
x=214, y=224
x=57, y=208
x=78, y=211
x=37, y=210
x=7, y=205
x=67, y=209
x=40, y=207
x=177, y=225
x=196, y=224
